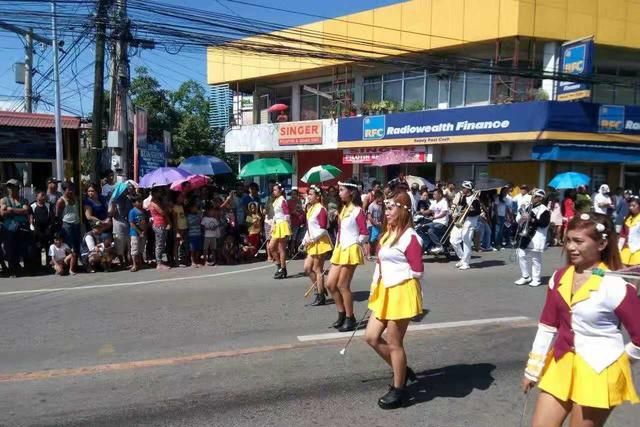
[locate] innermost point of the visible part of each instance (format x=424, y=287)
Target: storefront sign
x=576, y=58
x=151, y=156
x=300, y=133
x=366, y=156
x=523, y=121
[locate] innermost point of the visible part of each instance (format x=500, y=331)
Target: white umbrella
x=420, y=181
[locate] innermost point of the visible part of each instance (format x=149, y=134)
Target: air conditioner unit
x=499, y=150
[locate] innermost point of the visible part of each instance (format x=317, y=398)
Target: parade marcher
x=533, y=240
x=347, y=254
x=317, y=242
x=280, y=231
x=396, y=295
x=578, y=356
x=522, y=201
x=462, y=237
x=629, y=242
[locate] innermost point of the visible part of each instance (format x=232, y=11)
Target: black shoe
x=275, y=275
x=349, y=325
x=281, y=274
x=341, y=318
x=320, y=300
x=409, y=376
x=393, y=399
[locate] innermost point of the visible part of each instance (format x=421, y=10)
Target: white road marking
x=420, y=327
x=145, y=282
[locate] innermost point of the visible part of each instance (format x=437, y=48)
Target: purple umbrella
x=163, y=176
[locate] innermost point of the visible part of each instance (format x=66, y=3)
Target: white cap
x=468, y=185
x=604, y=189
x=539, y=193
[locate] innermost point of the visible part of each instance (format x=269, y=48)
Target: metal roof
x=36, y=120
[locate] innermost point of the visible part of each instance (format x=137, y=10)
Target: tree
x=147, y=93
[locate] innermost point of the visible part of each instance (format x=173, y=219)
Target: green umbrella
x=322, y=173
x=266, y=167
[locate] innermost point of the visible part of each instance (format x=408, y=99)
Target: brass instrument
x=460, y=217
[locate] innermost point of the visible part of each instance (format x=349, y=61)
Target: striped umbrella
x=322, y=173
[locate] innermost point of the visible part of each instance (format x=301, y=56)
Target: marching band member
x=317, y=242
x=578, y=357
x=280, y=231
x=461, y=238
x=396, y=294
x=347, y=254
x=629, y=241
x=533, y=240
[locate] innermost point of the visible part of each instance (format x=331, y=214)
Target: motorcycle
x=421, y=225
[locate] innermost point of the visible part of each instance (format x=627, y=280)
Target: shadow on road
x=488, y=263
x=456, y=381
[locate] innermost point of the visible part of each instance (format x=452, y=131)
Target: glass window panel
x=373, y=92
x=478, y=88
x=457, y=91
x=625, y=95
x=392, y=91
x=603, y=94
x=375, y=79
x=326, y=87
x=309, y=107
x=283, y=92
x=462, y=173
x=393, y=76
x=414, y=94
x=443, y=92
x=432, y=92
x=326, y=106
x=413, y=73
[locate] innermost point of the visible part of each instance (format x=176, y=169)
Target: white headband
x=348, y=184
x=391, y=202
x=315, y=188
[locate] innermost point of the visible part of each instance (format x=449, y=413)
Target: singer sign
x=300, y=133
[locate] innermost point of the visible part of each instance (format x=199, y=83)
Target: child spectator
x=180, y=226
x=93, y=253
x=42, y=224
x=230, y=250
x=62, y=259
x=254, y=222
x=194, y=221
x=375, y=215
x=211, y=224
x=137, y=230
x=247, y=250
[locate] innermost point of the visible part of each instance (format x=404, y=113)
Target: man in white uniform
x=534, y=241
x=462, y=237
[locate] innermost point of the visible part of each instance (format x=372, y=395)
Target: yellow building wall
x=421, y=25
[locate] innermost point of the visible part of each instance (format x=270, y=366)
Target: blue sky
x=169, y=69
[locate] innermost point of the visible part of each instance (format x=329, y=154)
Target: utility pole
x=28, y=71
x=122, y=82
x=98, y=88
x=56, y=82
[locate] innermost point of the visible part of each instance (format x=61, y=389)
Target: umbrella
x=265, y=167
x=569, y=180
x=322, y=173
x=396, y=157
x=420, y=181
x=122, y=188
x=163, y=176
x=487, y=183
x=190, y=183
x=277, y=107
x=205, y=165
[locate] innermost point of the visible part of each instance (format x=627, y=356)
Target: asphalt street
x=230, y=346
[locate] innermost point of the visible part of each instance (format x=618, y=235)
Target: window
x=462, y=172
x=603, y=94
x=478, y=88
x=392, y=91
x=625, y=95
x=457, y=90
x=414, y=94
x=372, y=89
x=443, y=93
x=431, y=100
x=309, y=107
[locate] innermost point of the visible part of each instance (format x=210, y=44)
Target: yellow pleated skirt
x=347, y=256
x=402, y=301
x=280, y=230
x=571, y=378
x=630, y=258
x=320, y=247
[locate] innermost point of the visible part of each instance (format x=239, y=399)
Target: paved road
x=222, y=346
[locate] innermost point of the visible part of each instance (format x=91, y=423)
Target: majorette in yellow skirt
x=320, y=247
x=572, y=379
x=280, y=230
x=630, y=258
x=402, y=301
x=348, y=256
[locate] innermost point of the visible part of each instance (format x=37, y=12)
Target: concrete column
x=295, y=103
x=358, y=89
x=550, y=64
x=542, y=175
x=437, y=159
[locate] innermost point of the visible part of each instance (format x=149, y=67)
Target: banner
x=166, y=137
x=300, y=133
x=139, y=137
x=151, y=156
x=366, y=156
x=576, y=57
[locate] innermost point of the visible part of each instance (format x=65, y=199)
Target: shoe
x=523, y=281
x=458, y=264
x=349, y=325
x=464, y=266
x=277, y=271
x=437, y=250
x=341, y=318
x=409, y=376
x=281, y=274
x=534, y=284
x=320, y=300
x=393, y=399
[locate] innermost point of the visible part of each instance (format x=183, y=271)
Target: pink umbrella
x=277, y=107
x=190, y=183
x=396, y=157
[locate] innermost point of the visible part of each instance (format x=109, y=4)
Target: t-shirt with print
x=193, y=221
x=211, y=227
x=59, y=253
x=136, y=216
x=375, y=213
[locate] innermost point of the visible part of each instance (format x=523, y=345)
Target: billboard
x=576, y=58
x=300, y=133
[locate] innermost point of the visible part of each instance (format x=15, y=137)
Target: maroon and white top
x=280, y=210
x=587, y=323
x=400, y=262
x=317, y=222
x=353, y=226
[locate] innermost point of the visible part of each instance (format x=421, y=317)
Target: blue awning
x=586, y=153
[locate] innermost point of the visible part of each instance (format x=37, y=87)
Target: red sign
x=366, y=156
x=300, y=133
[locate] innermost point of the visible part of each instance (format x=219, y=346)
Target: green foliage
x=414, y=106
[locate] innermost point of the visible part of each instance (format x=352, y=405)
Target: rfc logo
x=373, y=127
x=611, y=119
x=574, y=59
